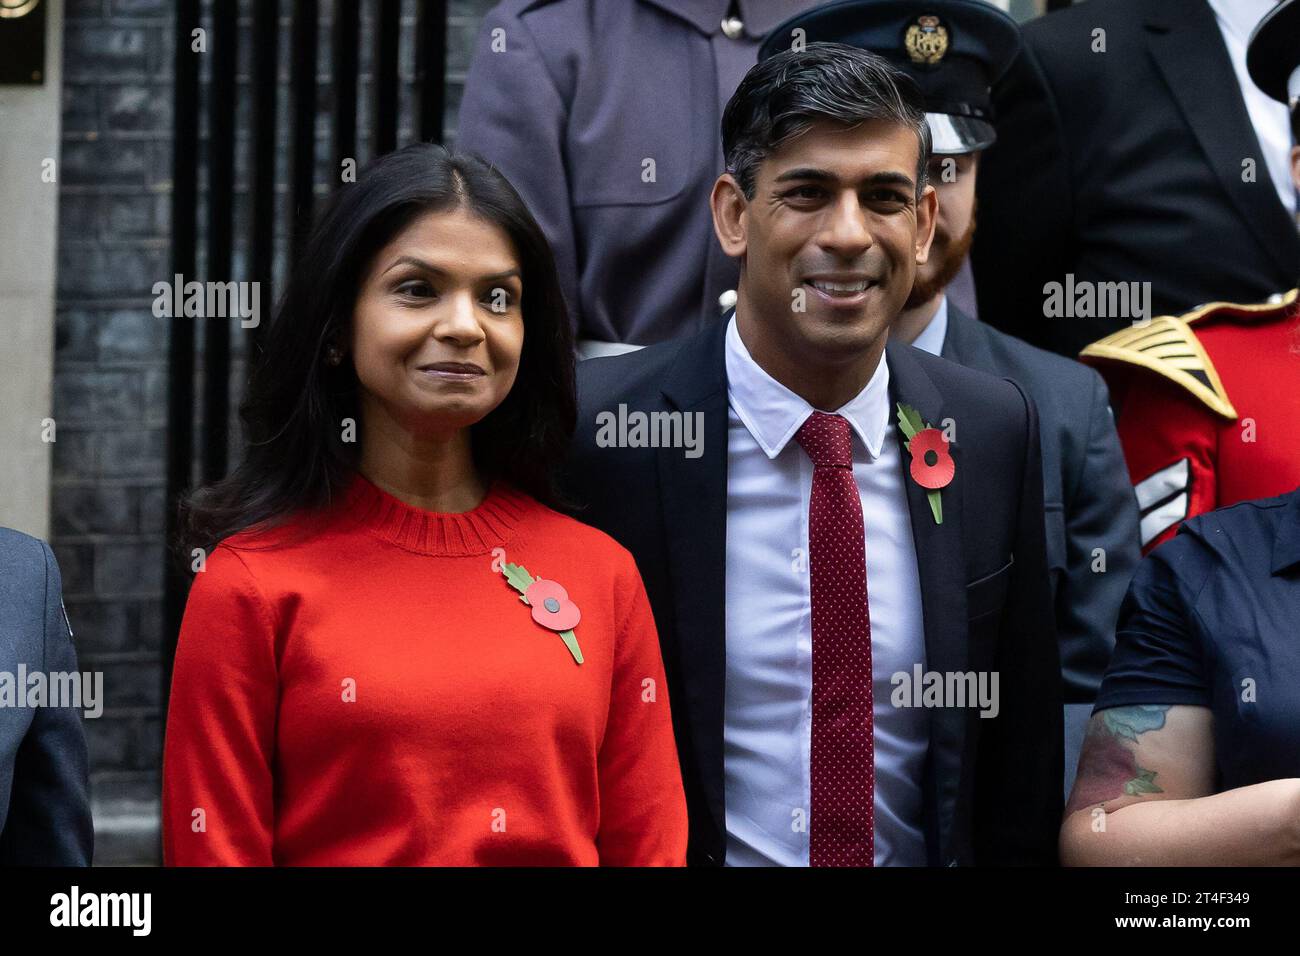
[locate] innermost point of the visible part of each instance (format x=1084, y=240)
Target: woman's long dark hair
x=294, y=456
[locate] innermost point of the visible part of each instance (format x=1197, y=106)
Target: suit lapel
x=694, y=508
x=1186, y=46
x=965, y=342
x=941, y=566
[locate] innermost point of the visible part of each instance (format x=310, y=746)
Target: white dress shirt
x=767, y=728
x=1237, y=18
x=932, y=336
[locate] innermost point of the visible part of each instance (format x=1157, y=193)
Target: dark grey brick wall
x=110, y=374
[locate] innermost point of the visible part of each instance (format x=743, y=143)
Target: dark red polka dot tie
x=843, y=768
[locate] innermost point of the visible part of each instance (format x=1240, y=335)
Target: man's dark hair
x=785, y=94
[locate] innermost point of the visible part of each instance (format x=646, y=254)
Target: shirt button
x=732, y=28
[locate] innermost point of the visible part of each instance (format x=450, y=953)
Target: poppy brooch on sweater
x=932, y=464
x=550, y=603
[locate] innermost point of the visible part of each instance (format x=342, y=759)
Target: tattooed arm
x=1145, y=796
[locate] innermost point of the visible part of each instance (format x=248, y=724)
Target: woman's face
x=438, y=327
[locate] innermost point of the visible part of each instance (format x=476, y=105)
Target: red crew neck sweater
x=362, y=687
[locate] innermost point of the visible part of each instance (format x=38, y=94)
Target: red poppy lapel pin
x=932, y=464
x=550, y=603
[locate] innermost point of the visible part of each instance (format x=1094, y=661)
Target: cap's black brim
x=1273, y=50
x=953, y=135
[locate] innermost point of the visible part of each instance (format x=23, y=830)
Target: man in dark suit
x=1091, y=512
x=1132, y=148
x=809, y=569
x=44, y=790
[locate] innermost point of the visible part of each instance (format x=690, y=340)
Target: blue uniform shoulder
x=27, y=574
x=1240, y=540
x=1245, y=526
x=21, y=556
x=12, y=540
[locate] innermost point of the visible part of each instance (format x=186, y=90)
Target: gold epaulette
x=1282, y=302
x=1168, y=347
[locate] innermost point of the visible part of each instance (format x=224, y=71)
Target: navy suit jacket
x=1087, y=495
x=992, y=787
x=44, y=788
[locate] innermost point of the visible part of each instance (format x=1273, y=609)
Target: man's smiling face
x=830, y=241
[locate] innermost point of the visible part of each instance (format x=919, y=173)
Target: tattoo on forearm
x=1108, y=766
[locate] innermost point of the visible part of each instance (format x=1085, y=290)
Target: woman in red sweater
x=394, y=652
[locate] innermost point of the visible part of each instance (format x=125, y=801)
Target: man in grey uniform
x=955, y=50
x=605, y=117
x=44, y=791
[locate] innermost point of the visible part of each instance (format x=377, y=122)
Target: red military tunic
x=1209, y=415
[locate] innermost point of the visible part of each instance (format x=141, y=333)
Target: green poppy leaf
x=571, y=642
x=909, y=422
x=517, y=576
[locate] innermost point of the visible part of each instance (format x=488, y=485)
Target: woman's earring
x=334, y=355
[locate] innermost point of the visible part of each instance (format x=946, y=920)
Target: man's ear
x=927, y=215
x=729, y=208
x=1295, y=166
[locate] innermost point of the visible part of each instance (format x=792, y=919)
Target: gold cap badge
x=926, y=40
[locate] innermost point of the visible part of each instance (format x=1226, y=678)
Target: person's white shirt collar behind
x=773, y=413
x=1270, y=119
x=933, y=335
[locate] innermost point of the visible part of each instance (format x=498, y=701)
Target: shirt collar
x=1286, y=544
x=772, y=413
x=932, y=336
x=1241, y=16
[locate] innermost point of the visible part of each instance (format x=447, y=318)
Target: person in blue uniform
x=1191, y=758
x=45, y=817
x=955, y=50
